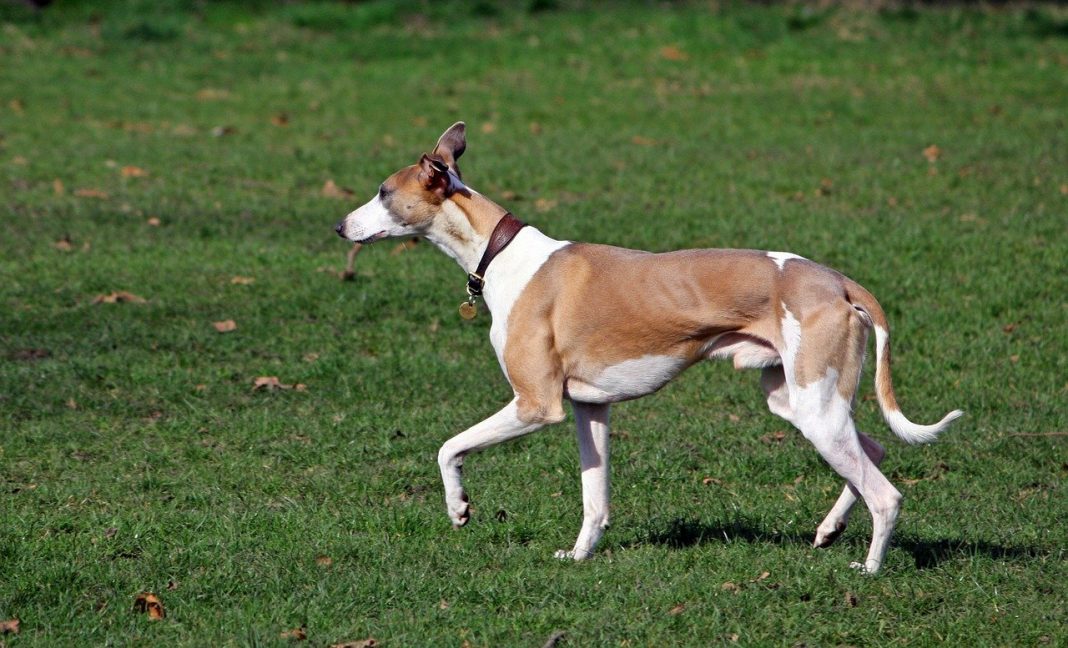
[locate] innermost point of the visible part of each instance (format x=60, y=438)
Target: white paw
x=574, y=554
x=869, y=567
x=459, y=510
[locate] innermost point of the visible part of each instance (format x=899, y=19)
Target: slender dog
x=597, y=325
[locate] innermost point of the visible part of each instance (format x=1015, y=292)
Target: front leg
x=591, y=427
x=502, y=426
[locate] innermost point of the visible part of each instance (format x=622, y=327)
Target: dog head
x=410, y=199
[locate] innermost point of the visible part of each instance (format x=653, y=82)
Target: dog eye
x=382, y=191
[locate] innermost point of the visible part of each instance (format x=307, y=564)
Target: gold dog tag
x=468, y=310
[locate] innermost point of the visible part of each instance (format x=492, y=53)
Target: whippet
x=597, y=325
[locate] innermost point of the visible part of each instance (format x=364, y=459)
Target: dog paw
x=460, y=511
x=825, y=537
x=869, y=567
x=573, y=554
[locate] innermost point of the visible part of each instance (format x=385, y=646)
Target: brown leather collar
x=502, y=235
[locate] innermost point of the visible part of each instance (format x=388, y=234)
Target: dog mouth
x=372, y=238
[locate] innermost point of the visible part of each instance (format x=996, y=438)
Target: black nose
x=339, y=229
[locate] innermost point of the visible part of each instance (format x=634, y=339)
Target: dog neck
x=463, y=228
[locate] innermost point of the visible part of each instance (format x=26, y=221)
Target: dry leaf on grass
x=119, y=297
x=154, y=221
x=241, y=281
x=280, y=119
x=296, y=634
x=730, y=587
x=64, y=244
x=641, y=140
x=673, y=53
x=58, y=188
x=369, y=642
x=87, y=192
x=225, y=326
x=149, y=603
x=271, y=383
x=678, y=609
x=131, y=171
x=488, y=127
x=932, y=153
x=324, y=561
x=212, y=94
x=11, y=626
x=332, y=190
x=774, y=437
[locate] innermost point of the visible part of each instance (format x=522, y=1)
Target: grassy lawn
x=179, y=151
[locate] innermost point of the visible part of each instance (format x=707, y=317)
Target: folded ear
x=434, y=173
x=451, y=145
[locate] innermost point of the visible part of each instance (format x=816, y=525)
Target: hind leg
x=838, y=517
x=777, y=391
x=824, y=417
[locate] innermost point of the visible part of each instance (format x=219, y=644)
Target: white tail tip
x=914, y=433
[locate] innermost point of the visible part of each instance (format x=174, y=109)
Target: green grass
x=135, y=453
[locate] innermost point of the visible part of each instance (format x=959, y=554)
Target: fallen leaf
x=111, y=532
x=147, y=602
x=172, y=585
x=712, y=480
x=488, y=127
x=774, y=437
x=825, y=187
x=58, y=188
x=154, y=221
x=19, y=160
x=1064, y=189
x=225, y=326
x=673, y=53
x=1009, y=328
x=311, y=357
x=64, y=244
x=730, y=587
x=734, y=418
x=131, y=171
x=280, y=119
x=296, y=634
x=265, y=383
x=212, y=94
x=332, y=190
x=443, y=605
x=223, y=131
x=544, y=204
x=932, y=153
x=763, y=575
x=851, y=599
x=11, y=626
x=535, y=128
x=119, y=297
x=641, y=140
x=324, y=561
x=72, y=404
x=241, y=281
x=1014, y=358
x=31, y=354
x=369, y=642
x=677, y=609
x=90, y=193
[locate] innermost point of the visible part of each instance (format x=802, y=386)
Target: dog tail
x=905, y=429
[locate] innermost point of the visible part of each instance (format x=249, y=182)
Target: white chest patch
x=509, y=274
x=626, y=380
x=780, y=258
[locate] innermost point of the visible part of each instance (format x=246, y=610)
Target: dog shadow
x=927, y=553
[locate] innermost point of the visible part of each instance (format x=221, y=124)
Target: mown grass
x=135, y=456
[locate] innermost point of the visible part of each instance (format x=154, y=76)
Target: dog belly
x=626, y=380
